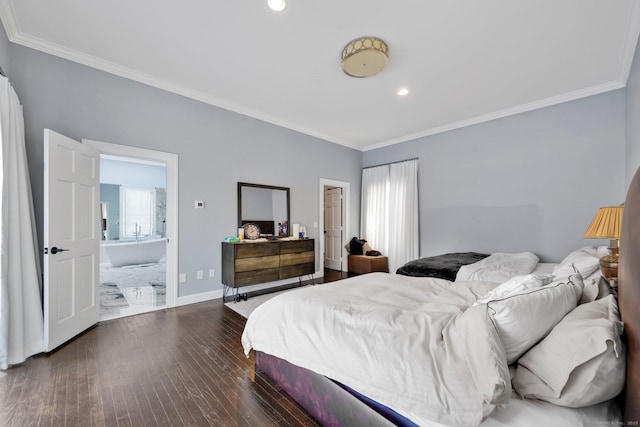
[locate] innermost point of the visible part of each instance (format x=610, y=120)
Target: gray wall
x=216, y=149
x=632, y=157
x=529, y=182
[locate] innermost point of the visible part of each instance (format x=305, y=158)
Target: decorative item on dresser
x=250, y=263
x=606, y=225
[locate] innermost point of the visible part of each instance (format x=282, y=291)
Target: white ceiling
x=464, y=61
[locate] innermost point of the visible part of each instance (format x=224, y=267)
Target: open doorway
x=139, y=230
x=133, y=249
x=334, y=229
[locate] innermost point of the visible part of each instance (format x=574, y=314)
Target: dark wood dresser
x=248, y=263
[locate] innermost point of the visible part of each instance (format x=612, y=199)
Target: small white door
x=71, y=238
x=333, y=228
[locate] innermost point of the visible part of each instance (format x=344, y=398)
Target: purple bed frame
x=329, y=402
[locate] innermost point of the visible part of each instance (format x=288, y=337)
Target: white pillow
x=591, y=287
x=484, y=354
x=581, y=362
x=498, y=267
x=523, y=319
x=586, y=260
x=515, y=285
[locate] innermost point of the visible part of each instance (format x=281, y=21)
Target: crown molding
x=10, y=23
x=147, y=79
x=548, y=102
x=112, y=68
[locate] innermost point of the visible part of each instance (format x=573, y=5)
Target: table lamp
x=606, y=225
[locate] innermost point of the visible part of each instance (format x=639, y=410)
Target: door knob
x=55, y=250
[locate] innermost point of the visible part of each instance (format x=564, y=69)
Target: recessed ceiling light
x=277, y=5
x=403, y=91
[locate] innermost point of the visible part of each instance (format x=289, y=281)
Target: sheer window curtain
x=389, y=211
x=21, y=318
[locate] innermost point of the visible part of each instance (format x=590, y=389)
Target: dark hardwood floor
x=176, y=367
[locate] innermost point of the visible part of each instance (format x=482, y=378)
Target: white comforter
x=413, y=344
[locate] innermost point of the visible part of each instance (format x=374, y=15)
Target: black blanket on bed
x=442, y=266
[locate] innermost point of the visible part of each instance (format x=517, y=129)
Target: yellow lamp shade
x=606, y=224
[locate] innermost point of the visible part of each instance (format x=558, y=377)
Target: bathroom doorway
x=137, y=251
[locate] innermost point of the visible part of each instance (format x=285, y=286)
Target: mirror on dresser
x=266, y=206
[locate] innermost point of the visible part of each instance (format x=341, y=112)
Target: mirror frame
x=266, y=187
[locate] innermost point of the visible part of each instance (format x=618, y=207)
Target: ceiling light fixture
x=364, y=56
x=277, y=5
x=403, y=91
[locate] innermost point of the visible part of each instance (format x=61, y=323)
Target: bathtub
x=133, y=253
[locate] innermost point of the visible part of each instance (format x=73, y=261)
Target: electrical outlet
x=199, y=274
x=182, y=277
x=212, y=272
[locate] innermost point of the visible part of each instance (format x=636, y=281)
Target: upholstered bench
x=361, y=264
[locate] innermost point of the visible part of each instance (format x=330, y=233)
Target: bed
x=317, y=369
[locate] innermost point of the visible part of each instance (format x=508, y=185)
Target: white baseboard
x=196, y=298
x=208, y=296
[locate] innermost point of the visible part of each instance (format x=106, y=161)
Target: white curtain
x=403, y=213
x=389, y=211
x=374, y=208
x=21, y=319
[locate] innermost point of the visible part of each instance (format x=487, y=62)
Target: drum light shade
x=364, y=56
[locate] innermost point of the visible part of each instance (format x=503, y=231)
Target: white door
x=71, y=238
x=333, y=228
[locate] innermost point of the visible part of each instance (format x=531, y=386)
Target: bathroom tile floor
x=129, y=290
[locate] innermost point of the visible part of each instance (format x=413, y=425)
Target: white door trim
x=346, y=197
x=171, y=160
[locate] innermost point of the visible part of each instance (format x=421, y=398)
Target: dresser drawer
x=250, y=250
x=257, y=263
x=297, y=258
x=256, y=276
x=292, y=246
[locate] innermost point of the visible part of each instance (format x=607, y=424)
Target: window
x=137, y=212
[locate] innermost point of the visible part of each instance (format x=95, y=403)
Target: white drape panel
x=403, y=213
x=389, y=211
x=374, y=210
x=21, y=318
